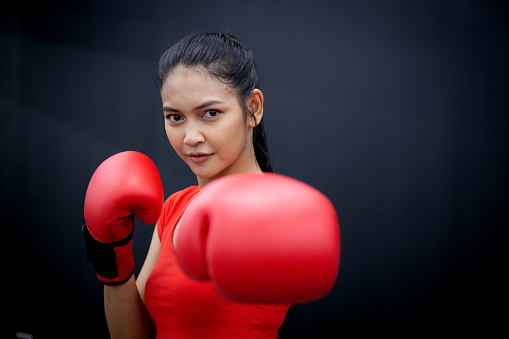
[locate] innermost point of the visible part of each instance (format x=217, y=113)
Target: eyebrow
x=205, y=104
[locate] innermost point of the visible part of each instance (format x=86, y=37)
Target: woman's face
x=206, y=125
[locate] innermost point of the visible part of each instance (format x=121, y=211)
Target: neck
x=240, y=167
x=204, y=181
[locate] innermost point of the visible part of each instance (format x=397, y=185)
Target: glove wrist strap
x=107, y=257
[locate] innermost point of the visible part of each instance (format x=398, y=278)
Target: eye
x=211, y=114
x=174, y=118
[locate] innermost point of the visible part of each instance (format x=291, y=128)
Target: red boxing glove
x=261, y=238
x=124, y=185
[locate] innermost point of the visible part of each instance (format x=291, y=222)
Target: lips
x=199, y=157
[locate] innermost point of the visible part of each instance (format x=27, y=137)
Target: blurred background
x=398, y=111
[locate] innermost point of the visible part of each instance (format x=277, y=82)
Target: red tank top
x=184, y=308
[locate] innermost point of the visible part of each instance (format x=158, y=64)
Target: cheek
x=173, y=138
x=235, y=136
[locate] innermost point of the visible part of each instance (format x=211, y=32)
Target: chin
x=211, y=171
x=211, y=175
x=205, y=173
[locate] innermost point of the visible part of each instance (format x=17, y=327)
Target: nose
x=193, y=136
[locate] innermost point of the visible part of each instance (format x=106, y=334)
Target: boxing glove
x=261, y=238
x=124, y=185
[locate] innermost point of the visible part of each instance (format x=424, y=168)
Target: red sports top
x=184, y=308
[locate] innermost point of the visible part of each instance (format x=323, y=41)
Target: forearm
x=126, y=315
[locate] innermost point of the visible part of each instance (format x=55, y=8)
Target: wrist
x=113, y=262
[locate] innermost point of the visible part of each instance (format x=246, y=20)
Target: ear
x=255, y=104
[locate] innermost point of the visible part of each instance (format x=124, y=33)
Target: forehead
x=190, y=86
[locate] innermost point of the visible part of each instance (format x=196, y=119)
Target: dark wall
x=396, y=110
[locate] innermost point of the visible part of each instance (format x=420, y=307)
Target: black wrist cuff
x=102, y=256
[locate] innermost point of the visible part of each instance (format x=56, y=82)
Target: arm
x=126, y=315
x=150, y=262
x=124, y=305
x=124, y=185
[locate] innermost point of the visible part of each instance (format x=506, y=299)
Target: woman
x=213, y=110
x=264, y=240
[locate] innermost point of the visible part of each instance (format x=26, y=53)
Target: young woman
x=213, y=110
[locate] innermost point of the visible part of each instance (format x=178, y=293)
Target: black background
x=396, y=110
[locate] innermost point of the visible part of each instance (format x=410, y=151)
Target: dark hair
x=230, y=61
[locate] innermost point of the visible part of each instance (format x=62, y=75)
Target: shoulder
x=182, y=195
x=175, y=205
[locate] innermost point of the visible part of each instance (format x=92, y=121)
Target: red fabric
x=184, y=308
